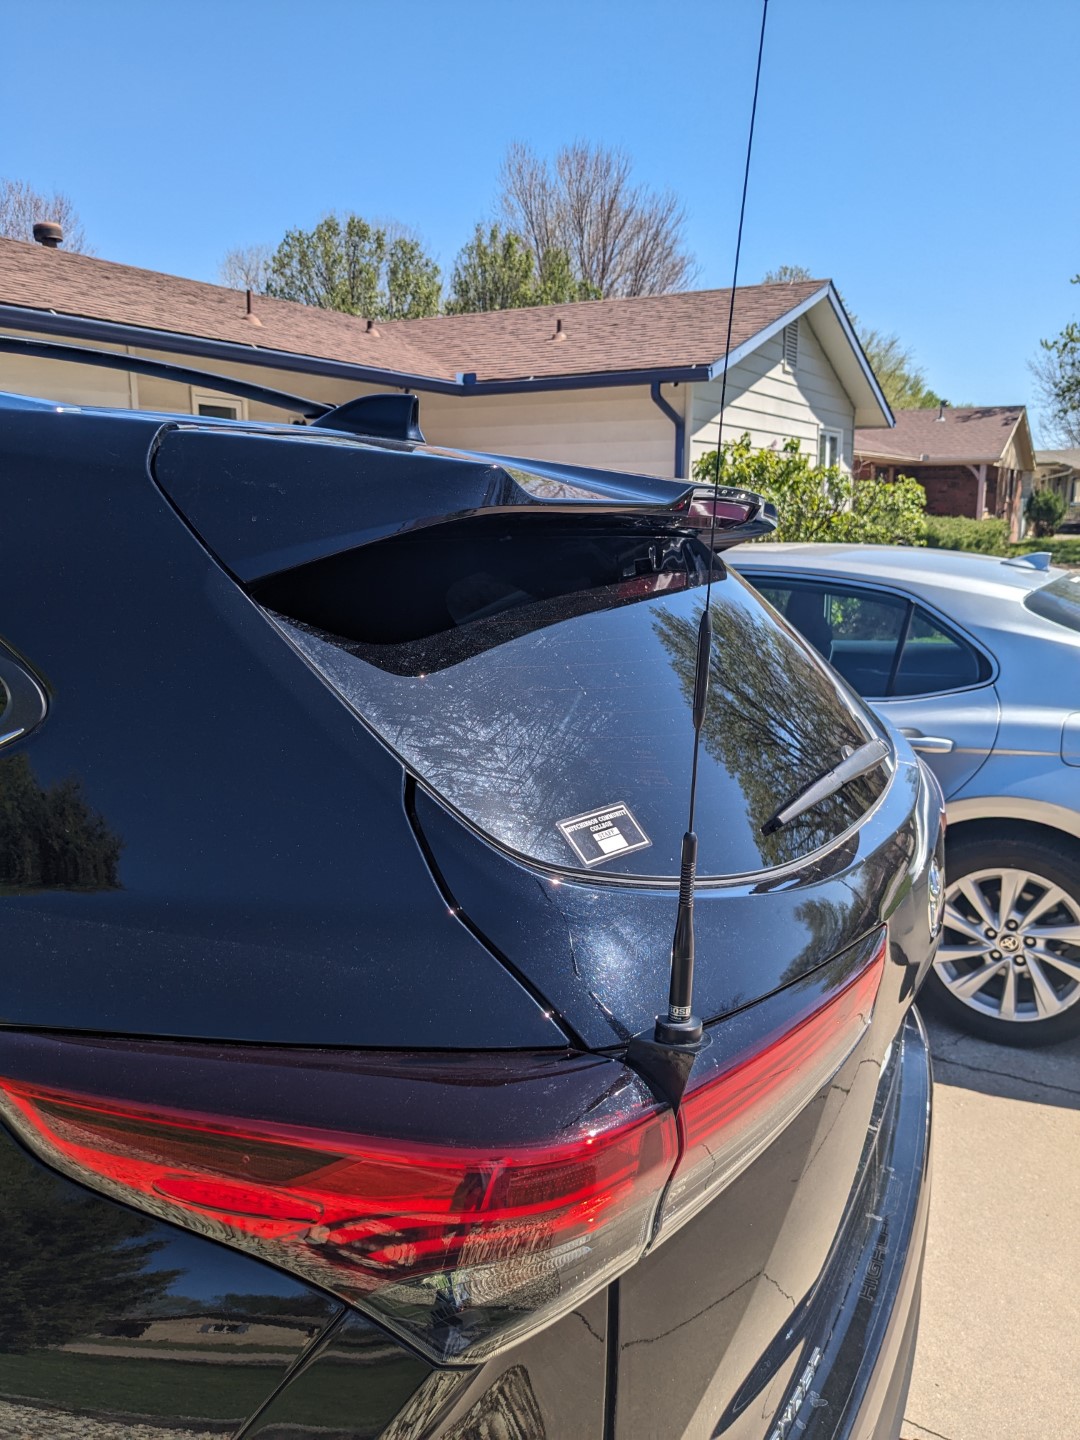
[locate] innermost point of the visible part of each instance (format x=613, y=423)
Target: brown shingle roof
x=42, y=279
x=975, y=434
x=649, y=333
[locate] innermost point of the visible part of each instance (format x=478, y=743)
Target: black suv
x=343, y=782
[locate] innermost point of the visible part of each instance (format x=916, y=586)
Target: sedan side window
x=882, y=645
x=866, y=631
x=935, y=659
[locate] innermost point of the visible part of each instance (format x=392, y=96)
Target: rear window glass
x=1059, y=601
x=523, y=709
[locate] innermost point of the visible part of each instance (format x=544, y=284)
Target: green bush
x=960, y=532
x=1063, y=551
x=1046, y=510
x=819, y=503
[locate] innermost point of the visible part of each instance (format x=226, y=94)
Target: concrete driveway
x=999, y=1341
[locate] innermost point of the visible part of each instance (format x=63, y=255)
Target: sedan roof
x=962, y=575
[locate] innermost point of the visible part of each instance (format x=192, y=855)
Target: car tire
x=1001, y=972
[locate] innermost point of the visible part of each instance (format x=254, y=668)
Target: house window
x=218, y=407
x=828, y=447
x=791, y=345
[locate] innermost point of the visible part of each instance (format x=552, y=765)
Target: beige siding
x=616, y=429
x=89, y=385
x=774, y=404
x=67, y=384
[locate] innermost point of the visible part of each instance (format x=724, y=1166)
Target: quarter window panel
x=935, y=659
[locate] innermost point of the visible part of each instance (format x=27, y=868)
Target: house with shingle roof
x=1060, y=470
x=976, y=460
x=633, y=384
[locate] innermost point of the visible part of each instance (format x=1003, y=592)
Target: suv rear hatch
x=524, y=642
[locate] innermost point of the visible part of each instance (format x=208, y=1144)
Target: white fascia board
x=847, y=359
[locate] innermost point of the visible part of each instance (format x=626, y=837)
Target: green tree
x=50, y=838
x=494, y=271
x=345, y=263
x=1057, y=375
x=497, y=270
x=70, y=1262
x=764, y=719
x=1046, y=509
x=817, y=502
x=902, y=382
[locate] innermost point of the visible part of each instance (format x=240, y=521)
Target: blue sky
x=925, y=155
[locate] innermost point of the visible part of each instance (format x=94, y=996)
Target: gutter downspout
x=680, y=427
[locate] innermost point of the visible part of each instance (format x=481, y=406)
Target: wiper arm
x=866, y=757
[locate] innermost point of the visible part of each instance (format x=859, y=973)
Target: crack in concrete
x=925, y=1429
x=1008, y=1075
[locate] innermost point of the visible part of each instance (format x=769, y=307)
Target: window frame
x=826, y=432
x=212, y=397
x=824, y=579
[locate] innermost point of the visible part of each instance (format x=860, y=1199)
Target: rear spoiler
x=267, y=501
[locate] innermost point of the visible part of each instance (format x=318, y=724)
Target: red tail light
x=726, y=1122
x=458, y=1245
x=706, y=510
x=461, y=1199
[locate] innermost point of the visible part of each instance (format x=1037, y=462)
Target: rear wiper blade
x=866, y=757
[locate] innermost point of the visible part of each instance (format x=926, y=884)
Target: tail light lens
x=737, y=1111
x=706, y=510
x=541, y=1186
x=462, y=1200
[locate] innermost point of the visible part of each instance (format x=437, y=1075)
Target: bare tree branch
x=1056, y=374
x=245, y=268
x=621, y=239
x=21, y=205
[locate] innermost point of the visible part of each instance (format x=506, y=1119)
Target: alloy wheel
x=1011, y=945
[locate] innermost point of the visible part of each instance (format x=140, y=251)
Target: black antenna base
x=678, y=1032
x=666, y=1066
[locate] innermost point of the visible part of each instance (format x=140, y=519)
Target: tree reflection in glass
x=767, y=704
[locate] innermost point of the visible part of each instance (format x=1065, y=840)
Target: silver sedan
x=977, y=661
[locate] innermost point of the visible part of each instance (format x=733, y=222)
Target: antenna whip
x=681, y=1026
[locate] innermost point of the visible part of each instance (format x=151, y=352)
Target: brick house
x=977, y=461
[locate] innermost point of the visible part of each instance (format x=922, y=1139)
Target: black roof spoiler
x=264, y=501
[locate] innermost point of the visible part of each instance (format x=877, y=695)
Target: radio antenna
x=680, y=1026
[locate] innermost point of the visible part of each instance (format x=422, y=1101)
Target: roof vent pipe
x=249, y=314
x=560, y=333
x=48, y=233
x=370, y=329
x=941, y=411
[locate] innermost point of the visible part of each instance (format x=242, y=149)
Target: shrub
x=960, y=532
x=1046, y=510
x=819, y=502
x=1063, y=551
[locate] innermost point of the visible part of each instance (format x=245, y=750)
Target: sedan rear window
x=1059, y=601
x=534, y=689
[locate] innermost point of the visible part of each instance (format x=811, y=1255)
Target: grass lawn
x=138, y=1387
x=362, y=1398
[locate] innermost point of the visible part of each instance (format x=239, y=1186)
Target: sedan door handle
x=929, y=744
